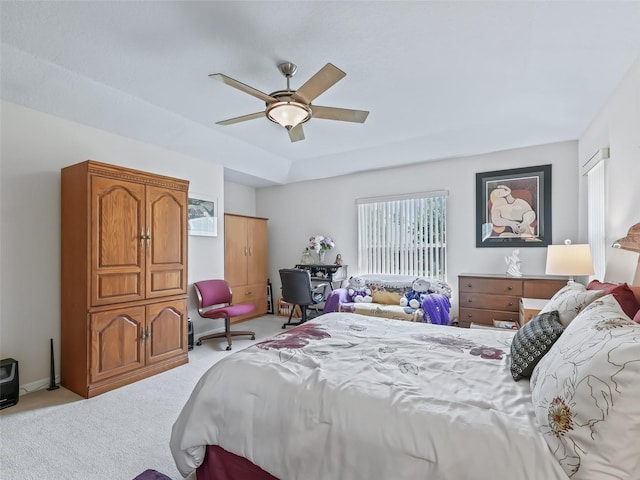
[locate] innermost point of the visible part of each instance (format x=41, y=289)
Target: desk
x=326, y=273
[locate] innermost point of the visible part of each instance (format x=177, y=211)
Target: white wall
x=327, y=207
x=239, y=199
x=35, y=146
x=616, y=126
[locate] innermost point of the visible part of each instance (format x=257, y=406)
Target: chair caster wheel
x=253, y=337
x=198, y=343
x=229, y=347
x=284, y=327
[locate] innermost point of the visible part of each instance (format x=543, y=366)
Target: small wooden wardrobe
x=245, y=261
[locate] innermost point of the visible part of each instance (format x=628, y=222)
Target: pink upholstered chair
x=215, y=301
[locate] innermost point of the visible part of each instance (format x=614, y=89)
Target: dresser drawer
x=256, y=294
x=491, y=302
x=485, y=317
x=542, y=288
x=245, y=292
x=493, y=286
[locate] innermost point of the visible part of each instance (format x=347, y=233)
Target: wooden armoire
x=245, y=261
x=124, y=276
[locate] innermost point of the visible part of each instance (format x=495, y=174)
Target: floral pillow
x=570, y=300
x=585, y=393
x=532, y=342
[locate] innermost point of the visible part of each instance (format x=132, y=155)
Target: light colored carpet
x=115, y=436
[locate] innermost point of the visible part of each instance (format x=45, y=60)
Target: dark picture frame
x=513, y=207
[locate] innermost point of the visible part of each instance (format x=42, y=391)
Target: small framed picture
x=513, y=207
x=203, y=220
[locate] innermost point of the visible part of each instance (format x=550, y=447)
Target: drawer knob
x=470, y=300
x=469, y=285
x=510, y=304
x=509, y=288
x=469, y=315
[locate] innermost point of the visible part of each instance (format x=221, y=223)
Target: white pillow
x=570, y=300
x=586, y=394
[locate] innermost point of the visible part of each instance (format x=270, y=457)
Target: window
x=404, y=234
x=595, y=170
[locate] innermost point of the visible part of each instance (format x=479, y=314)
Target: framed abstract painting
x=513, y=207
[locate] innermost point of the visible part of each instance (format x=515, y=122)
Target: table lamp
x=569, y=259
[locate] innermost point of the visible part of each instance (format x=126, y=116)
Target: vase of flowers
x=321, y=243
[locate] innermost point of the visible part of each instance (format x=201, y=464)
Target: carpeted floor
x=115, y=436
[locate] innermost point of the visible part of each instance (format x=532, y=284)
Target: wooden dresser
x=484, y=298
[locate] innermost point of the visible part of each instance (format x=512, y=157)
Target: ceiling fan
x=292, y=108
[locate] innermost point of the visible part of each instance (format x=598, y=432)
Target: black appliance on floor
x=190, y=334
x=9, y=382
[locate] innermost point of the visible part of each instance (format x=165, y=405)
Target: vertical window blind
x=404, y=234
x=595, y=171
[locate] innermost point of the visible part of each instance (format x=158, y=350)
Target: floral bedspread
x=351, y=397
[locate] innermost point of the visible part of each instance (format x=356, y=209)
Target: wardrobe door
x=165, y=242
x=257, y=251
x=236, y=250
x=117, y=244
x=166, y=330
x=116, y=339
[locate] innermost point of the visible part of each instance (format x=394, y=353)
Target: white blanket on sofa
x=346, y=396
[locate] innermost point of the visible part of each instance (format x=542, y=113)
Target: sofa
x=386, y=293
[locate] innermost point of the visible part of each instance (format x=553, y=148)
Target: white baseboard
x=35, y=386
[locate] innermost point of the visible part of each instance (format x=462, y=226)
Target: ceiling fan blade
x=326, y=77
x=243, y=118
x=342, y=114
x=296, y=133
x=243, y=87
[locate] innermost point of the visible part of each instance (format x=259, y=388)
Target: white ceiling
x=441, y=79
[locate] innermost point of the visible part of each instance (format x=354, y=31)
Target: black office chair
x=298, y=291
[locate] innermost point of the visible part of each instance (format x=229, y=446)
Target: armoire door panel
x=257, y=259
x=167, y=328
x=236, y=250
x=120, y=285
x=117, y=247
x=115, y=342
x=167, y=248
x=166, y=281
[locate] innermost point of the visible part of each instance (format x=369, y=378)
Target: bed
x=348, y=396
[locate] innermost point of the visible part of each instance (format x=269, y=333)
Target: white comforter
x=351, y=397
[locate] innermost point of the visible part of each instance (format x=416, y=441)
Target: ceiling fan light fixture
x=288, y=114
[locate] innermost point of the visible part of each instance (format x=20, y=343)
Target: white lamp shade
x=288, y=114
x=569, y=260
x=621, y=266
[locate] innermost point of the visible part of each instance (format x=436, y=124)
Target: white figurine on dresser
x=513, y=264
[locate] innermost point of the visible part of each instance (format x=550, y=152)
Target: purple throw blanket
x=436, y=308
x=335, y=298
